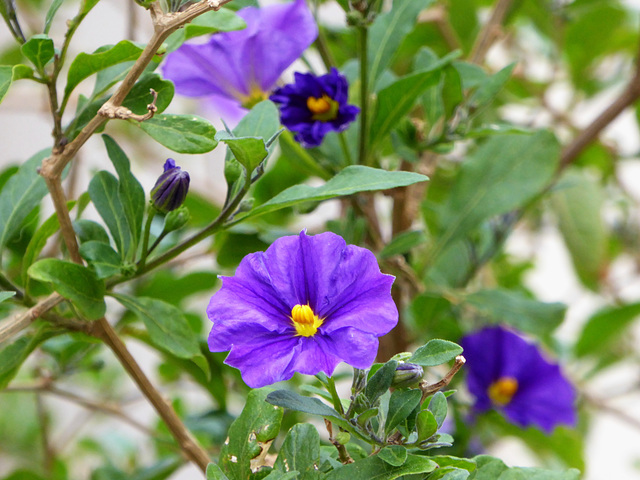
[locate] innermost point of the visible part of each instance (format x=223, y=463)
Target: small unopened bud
x=246, y=205
x=343, y=438
x=406, y=375
x=171, y=188
x=176, y=219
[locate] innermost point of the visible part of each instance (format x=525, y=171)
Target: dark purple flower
x=171, y=187
x=304, y=305
x=238, y=69
x=507, y=373
x=314, y=106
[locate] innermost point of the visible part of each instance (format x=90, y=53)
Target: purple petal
x=354, y=347
x=265, y=362
x=232, y=64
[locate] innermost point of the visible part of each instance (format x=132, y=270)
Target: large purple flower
x=507, y=373
x=238, y=69
x=314, y=106
x=304, y=305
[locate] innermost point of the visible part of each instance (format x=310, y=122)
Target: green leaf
x=387, y=33
x=397, y=100
x=6, y=77
x=262, y=121
x=75, y=283
x=6, y=295
x=224, y=20
x=9, y=74
x=449, y=473
x=181, y=133
x=427, y=425
x=523, y=473
x=104, y=193
x=37, y=243
x=506, y=306
x=301, y=452
x=250, y=435
x=39, y=50
x=435, y=352
x=20, y=195
x=505, y=173
x=374, y=468
x=312, y=406
x=438, y=406
x=214, y=473
x=140, y=95
x=402, y=243
x=401, y=404
x=88, y=230
x=353, y=179
x=380, y=381
x=394, y=455
x=490, y=87
x=604, y=327
x=167, y=326
x=249, y=151
x=13, y=355
x=104, y=259
x=85, y=65
x=578, y=204
x=130, y=191
x=53, y=9
x=450, y=461
x=488, y=468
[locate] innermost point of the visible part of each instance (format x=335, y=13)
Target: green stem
x=345, y=149
x=145, y=239
x=364, y=97
x=331, y=387
x=213, y=227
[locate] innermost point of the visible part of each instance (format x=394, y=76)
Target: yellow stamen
x=324, y=108
x=256, y=95
x=502, y=390
x=305, y=321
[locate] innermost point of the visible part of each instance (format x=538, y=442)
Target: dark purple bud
x=171, y=188
x=406, y=375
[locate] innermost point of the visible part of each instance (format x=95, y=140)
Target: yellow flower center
x=305, y=321
x=323, y=108
x=502, y=390
x=256, y=95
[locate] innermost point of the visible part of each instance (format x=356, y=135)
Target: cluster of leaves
x=446, y=243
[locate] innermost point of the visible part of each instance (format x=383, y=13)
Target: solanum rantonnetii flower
x=314, y=106
x=304, y=305
x=171, y=187
x=235, y=70
x=509, y=374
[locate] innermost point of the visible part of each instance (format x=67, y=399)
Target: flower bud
x=176, y=219
x=343, y=438
x=406, y=375
x=171, y=188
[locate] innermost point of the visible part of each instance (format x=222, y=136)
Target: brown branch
x=430, y=389
x=627, y=98
x=187, y=442
x=54, y=184
x=52, y=167
x=490, y=31
x=123, y=113
x=19, y=322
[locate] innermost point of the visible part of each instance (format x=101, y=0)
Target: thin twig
x=19, y=322
x=123, y=113
x=187, y=442
x=48, y=453
x=430, y=389
x=490, y=31
x=54, y=184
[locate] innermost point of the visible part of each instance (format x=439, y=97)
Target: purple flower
x=171, y=187
x=314, y=106
x=304, y=305
x=239, y=69
x=507, y=373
